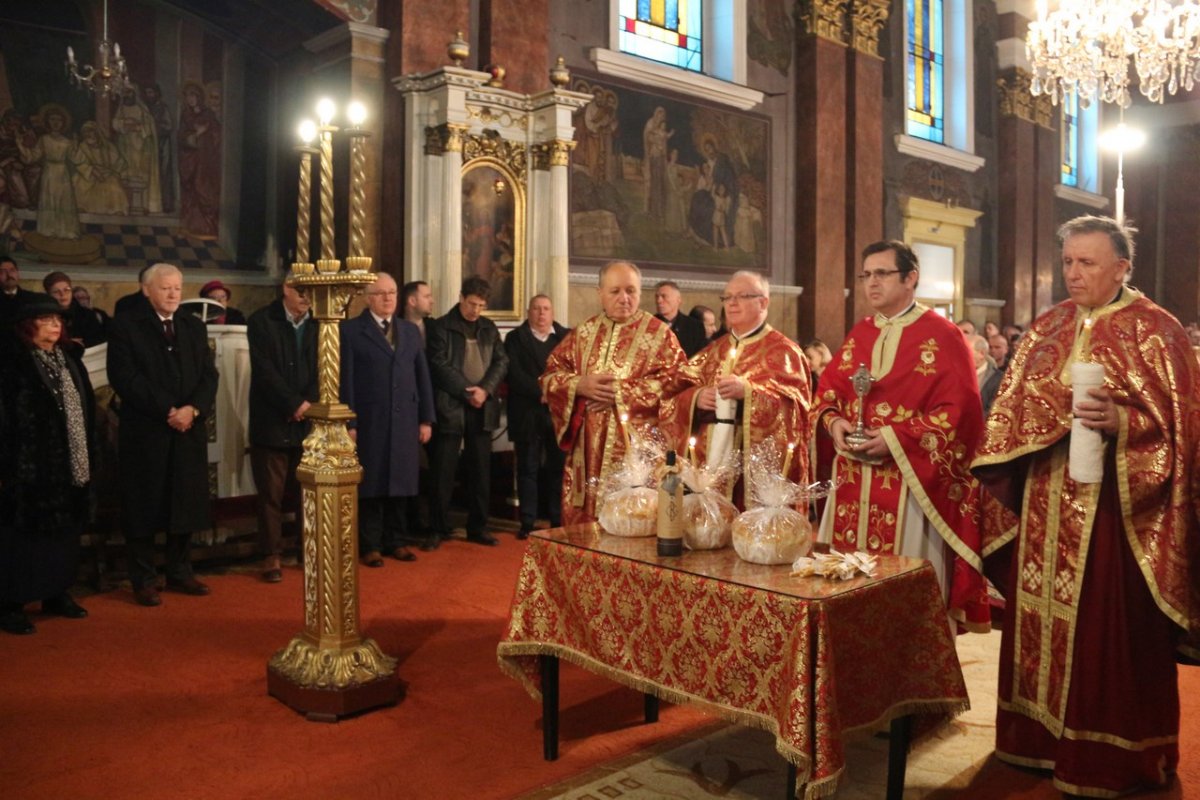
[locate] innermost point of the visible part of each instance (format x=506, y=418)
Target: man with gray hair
x=687, y=329
x=751, y=386
x=160, y=366
x=604, y=380
x=1103, y=569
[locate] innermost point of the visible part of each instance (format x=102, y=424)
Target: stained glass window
x=926, y=57
x=662, y=30
x=1070, y=140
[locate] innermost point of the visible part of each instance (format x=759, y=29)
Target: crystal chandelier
x=1085, y=46
x=110, y=77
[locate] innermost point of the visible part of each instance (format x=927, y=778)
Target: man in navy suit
x=385, y=381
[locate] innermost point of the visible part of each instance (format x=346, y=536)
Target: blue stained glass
x=925, y=80
x=643, y=11
x=678, y=41
x=1070, y=139
x=672, y=22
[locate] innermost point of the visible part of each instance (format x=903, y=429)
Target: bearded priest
x=605, y=379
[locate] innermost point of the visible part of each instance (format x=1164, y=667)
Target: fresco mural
x=667, y=182
x=83, y=175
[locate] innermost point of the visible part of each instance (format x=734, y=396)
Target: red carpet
x=171, y=702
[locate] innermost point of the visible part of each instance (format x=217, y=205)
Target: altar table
x=808, y=659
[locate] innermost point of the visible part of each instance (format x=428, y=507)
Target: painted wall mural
x=83, y=174
x=667, y=182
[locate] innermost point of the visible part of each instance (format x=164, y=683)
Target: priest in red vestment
x=749, y=386
x=907, y=488
x=1103, y=585
x=617, y=364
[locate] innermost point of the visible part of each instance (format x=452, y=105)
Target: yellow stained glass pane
x=658, y=12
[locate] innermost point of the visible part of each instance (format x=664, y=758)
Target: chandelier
x=1085, y=46
x=110, y=77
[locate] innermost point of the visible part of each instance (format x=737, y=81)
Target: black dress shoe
x=147, y=596
x=430, y=544
x=272, y=575
x=372, y=559
x=524, y=533
x=403, y=554
x=16, y=623
x=64, y=606
x=188, y=586
x=483, y=537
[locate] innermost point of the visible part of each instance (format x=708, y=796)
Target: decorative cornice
x=825, y=19
x=444, y=138
x=551, y=154
x=1015, y=98
x=866, y=19
x=693, y=84
x=492, y=146
x=1045, y=113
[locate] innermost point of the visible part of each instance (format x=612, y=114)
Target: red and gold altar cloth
x=925, y=402
x=1094, y=564
x=644, y=356
x=805, y=658
x=776, y=407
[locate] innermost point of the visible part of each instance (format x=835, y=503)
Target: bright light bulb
x=1122, y=139
x=325, y=110
x=356, y=112
x=308, y=131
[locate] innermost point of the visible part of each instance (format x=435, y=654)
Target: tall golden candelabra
x=330, y=670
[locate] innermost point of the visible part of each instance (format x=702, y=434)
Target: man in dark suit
x=160, y=366
x=12, y=296
x=539, y=458
x=468, y=363
x=687, y=329
x=134, y=302
x=385, y=381
x=283, y=384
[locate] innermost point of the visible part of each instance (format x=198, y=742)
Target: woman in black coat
x=46, y=420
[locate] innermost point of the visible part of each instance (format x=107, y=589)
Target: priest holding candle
x=605, y=378
x=748, y=386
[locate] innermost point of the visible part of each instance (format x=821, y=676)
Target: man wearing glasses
x=906, y=487
x=751, y=386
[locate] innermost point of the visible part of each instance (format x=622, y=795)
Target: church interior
x=529, y=143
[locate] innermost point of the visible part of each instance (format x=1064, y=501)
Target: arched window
x=668, y=31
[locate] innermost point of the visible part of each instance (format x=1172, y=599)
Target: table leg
x=549, y=665
x=898, y=756
x=791, y=781
x=651, y=709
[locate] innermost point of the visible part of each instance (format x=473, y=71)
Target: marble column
x=557, y=279
x=448, y=283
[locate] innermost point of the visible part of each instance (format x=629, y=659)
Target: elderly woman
x=45, y=468
x=215, y=290
x=83, y=326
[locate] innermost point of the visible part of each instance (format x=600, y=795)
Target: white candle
x=787, y=461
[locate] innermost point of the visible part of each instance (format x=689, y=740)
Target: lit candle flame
x=787, y=461
x=356, y=112
x=325, y=110
x=692, y=449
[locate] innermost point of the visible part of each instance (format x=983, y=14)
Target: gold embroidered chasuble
x=644, y=356
x=1152, y=377
x=924, y=400
x=777, y=403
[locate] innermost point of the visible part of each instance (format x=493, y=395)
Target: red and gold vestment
x=924, y=400
x=1105, y=576
x=644, y=356
x=776, y=406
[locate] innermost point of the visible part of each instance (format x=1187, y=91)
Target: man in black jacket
x=12, y=296
x=468, y=362
x=539, y=459
x=160, y=366
x=687, y=329
x=283, y=384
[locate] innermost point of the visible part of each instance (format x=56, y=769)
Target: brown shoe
x=372, y=559
x=403, y=554
x=147, y=596
x=188, y=586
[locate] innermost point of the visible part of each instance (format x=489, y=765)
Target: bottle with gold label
x=670, y=509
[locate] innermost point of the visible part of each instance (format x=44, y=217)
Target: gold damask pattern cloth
x=805, y=658
x=1152, y=377
x=778, y=395
x=644, y=357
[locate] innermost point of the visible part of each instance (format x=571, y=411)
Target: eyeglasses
x=745, y=297
x=877, y=274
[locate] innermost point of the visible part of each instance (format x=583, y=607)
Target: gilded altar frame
x=493, y=221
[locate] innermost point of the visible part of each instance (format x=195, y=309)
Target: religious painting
x=667, y=182
x=493, y=240
x=124, y=178
x=771, y=33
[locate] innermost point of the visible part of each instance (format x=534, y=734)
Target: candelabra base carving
x=326, y=684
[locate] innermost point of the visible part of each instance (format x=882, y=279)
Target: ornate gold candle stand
x=330, y=670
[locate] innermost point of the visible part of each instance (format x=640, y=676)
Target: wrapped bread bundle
x=708, y=514
x=628, y=497
x=773, y=531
